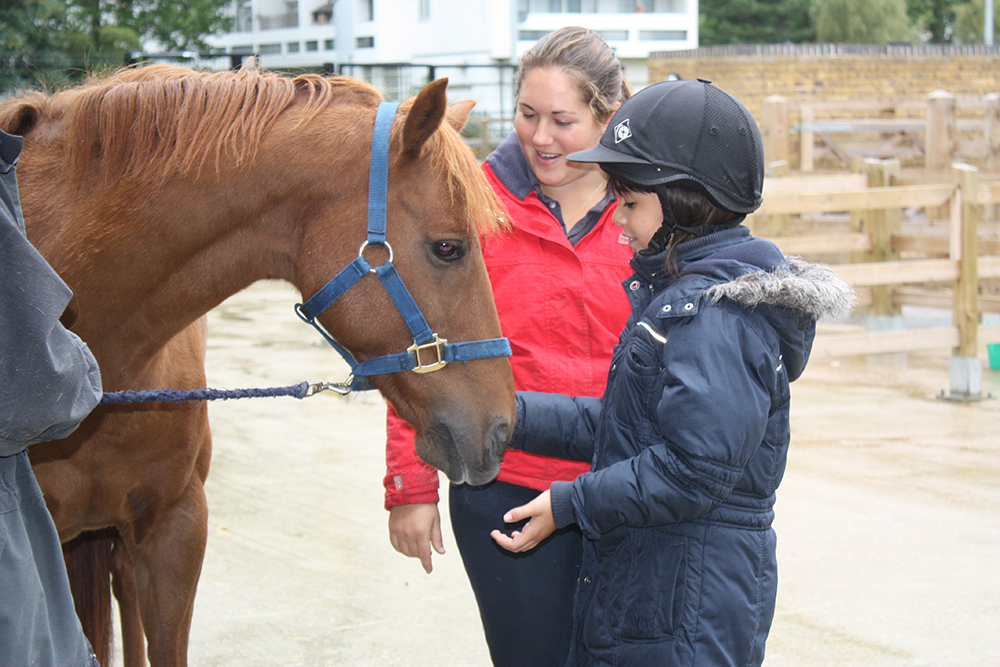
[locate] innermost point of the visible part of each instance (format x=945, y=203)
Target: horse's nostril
x=502, y=432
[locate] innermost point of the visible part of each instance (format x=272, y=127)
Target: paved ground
x=888, y=520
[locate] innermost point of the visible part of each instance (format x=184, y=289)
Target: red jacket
x=562, y=307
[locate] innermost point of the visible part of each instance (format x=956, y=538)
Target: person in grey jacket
x=49, y=381
x=688, y=444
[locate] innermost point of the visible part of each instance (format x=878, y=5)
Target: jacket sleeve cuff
x=415, y=487
x=562, y=504
x=517, y=437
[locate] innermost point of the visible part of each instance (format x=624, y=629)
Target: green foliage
x=755, y=22
x=970, y=21
x=181, y=25
x=937, y=17
x=49, y=42
x=864, y=22
x=30, y=25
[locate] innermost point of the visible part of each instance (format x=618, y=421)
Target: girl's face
x=639, y=215
x=553, y=121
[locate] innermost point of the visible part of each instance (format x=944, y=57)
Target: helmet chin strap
x=661, y=239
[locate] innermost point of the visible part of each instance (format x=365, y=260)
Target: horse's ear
x=71, y=314
x=425, y=116
x=458, y=113
x=18, y=117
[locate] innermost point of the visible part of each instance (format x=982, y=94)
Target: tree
x=970, y=20
x=175, y=25
x=49, y=42
x=755, y=22
x=31, y=25
x=864, y=22
x=935, y=16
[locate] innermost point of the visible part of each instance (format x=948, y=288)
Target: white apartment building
x=349, y=33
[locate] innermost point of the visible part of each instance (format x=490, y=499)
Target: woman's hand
x=414, y=529
x=540, y=525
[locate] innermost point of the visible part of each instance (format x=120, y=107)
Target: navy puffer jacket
x=687, y=447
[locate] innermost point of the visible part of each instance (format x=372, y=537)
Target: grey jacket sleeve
x=49, y=380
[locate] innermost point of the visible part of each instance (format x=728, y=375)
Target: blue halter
x=429, y=351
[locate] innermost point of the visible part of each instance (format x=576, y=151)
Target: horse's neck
x=141, y=285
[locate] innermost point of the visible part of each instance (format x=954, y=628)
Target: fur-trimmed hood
x=790, y=293
x=810, y=288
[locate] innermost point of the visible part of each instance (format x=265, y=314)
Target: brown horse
x=156, y=193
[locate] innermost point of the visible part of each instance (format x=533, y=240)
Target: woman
x=688, y=443
x=556, y=279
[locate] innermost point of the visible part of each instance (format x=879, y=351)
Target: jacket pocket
x=644, y=595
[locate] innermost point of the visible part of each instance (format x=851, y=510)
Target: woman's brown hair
x=582, y=54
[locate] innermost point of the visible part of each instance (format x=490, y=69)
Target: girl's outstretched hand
x=540, y=525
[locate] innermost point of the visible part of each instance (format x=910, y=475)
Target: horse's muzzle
x=464, y=457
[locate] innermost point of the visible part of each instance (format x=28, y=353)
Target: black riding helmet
x=685, y=134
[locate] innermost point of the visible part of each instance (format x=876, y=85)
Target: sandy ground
x=888, y=519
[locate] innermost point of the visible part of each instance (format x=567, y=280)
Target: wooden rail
x=937, y=139
x=884, y=280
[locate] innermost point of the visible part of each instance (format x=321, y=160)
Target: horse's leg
x=167, y=564
x=124, y=587
x=88, y=566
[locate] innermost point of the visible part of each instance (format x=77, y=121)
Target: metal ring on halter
x=361, y=253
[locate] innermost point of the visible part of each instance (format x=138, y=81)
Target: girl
x=556, y=279
x=688, y=444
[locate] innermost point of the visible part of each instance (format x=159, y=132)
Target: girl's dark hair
x=691, y=209
x=585, y=56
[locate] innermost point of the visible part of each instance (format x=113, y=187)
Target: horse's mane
x=159, y=120
x=163, y=119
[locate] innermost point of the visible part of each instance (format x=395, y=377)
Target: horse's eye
x=449, y=251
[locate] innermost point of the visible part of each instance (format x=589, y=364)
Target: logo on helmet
x=622, y=131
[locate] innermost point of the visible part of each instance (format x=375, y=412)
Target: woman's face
x=553, y=121
x=639, y=215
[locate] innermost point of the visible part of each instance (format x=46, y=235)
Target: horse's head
x=237, y=176
x=438, y=203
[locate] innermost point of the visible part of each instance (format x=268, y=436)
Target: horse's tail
x=88, y=563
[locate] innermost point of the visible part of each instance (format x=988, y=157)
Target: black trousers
x=525, y=600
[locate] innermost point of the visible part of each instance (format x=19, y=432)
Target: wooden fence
x=933, y=132
x=890, y=269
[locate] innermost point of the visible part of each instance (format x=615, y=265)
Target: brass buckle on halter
x=436, y=344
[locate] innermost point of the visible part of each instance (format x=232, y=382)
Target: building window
x=531, y=35
x=312, y=45
x=329, y=45
x=270, y=48
x=364, y=10
x=613, y=35
x=293, y=47
x=244, y=17
x=663, y=6
x=364, y=43
x=424, y=10
x=663, y=35
x=323, y=15
x=557, y=6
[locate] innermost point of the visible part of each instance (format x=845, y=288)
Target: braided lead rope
x=302, y=390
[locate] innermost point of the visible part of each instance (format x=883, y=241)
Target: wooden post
x=857, y=218
x=991, y=130
x=991, y=137
x=940, y=131
x=881, y=226
x=776, y=225
x=807, y=139
x=775, y=130
x=966, y=367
